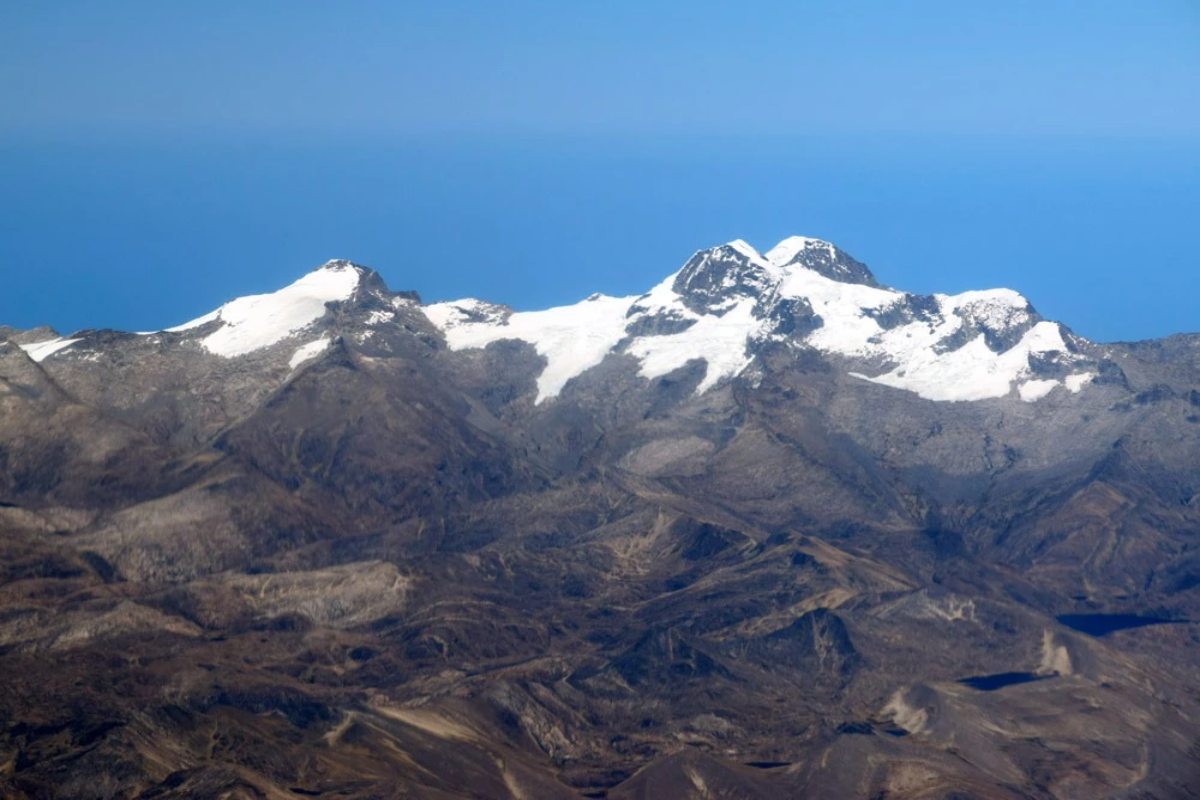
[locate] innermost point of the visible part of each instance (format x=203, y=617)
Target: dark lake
x=1102, y=624
x=990, y=683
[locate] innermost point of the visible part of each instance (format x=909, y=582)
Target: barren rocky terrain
x=449, y=551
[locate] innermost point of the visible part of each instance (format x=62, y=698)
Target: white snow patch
x=846, y=327
x=719, y=341
x=973, y=371
x=1076, y=382
x=257, y=321
x=572, y=339
x=1031, y=391
x=309, y=351
x=663, y=298
x=196, y=323
x=40, y=351
x=466, y=312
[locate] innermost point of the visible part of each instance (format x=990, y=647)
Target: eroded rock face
x=713, y=280
x=667, y=545
x=820, y=257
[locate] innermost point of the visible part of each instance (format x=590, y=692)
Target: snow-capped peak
x=339, y=264
x=744, y=248
x=712, y=280
x=805, y=291
x=787, y=249
x=822, y=257
x=256, y=321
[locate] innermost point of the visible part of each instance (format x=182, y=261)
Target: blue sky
x=159, y=158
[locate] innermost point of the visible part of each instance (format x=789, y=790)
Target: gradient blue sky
x=160, y=158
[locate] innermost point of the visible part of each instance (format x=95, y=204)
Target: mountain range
x=770, y=529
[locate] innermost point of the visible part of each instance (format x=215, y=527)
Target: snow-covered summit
x=804, y=292
x=820, y=256
x=251, y=323
x=720, y=308
x=289, y=326
x=790, y=247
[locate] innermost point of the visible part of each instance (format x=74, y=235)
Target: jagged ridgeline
x=770, y=529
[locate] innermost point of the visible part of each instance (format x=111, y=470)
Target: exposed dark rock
x=714, y=277
x=833, y=263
